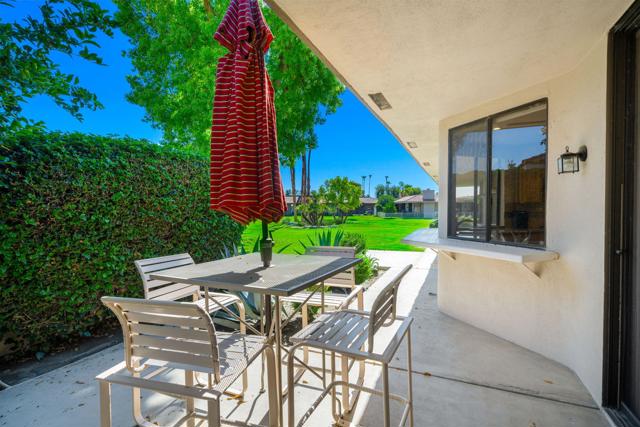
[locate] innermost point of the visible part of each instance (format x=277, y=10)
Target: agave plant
x=322, y=238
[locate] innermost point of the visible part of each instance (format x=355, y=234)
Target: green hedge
x=77, y=210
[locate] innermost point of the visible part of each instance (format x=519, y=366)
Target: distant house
x=367, y=206
x=423, y=205
x=289, y=201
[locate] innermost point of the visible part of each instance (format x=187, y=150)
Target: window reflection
x=518, y=170
x=469, y=166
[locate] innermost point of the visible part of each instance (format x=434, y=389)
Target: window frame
x=451, y=213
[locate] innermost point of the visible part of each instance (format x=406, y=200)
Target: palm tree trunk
x=308, y=180
x=292, y=169
x=303, y=187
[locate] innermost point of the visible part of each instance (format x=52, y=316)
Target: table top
x=288, y=274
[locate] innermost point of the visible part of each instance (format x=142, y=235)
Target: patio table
x=287, y=275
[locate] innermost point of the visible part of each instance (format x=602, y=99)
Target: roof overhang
x=434, y=59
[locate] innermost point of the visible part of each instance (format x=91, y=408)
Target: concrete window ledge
x=428, y=238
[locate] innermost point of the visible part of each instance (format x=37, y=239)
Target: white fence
x=404, y=215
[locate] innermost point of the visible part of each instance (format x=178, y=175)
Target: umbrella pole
x=266, y=245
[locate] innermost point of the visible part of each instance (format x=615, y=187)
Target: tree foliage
x=27, y=67
x=175, y=57
x=397, y=191
x=386, y=203
x=314, y=207
x=341, y=196
x=407, y=190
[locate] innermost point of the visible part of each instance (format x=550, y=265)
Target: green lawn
x=381, y=233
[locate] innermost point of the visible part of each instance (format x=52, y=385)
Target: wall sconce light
x=569, y=162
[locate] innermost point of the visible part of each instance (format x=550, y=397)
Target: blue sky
x=352, y=142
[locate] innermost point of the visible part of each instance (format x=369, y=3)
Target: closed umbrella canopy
x=245, y=171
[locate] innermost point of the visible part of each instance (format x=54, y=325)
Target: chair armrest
x=349, y=299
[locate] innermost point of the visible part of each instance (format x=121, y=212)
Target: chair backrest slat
x=160, y=319
x=152, y=283
x=383, y=309
x=173, y=292
x=167, y=331
x=184, y=346
x=150, y=264
x=160, y=289
x=199, y=362
x=345, y=279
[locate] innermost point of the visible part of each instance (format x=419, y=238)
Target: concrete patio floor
x=462, y=376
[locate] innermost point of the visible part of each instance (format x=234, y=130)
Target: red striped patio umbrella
x=245, y=171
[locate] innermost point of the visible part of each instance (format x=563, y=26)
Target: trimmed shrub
x=369, y=265
x=366, y=269
x=77, y=210
x=357, y=240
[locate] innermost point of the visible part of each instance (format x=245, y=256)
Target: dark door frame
x=621, y=143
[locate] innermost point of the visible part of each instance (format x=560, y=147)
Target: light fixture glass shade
x=570, y=162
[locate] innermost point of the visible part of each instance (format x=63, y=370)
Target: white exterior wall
x=561, y=314
x=429, y=209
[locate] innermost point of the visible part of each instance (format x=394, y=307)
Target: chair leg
x=362, y=362
x=385, y=395
x=243, y=330
x=410, y=381
x=188, y=381
x=291, y=382
x=137, y=409
x=272, y=389
x=361, y=300
x=105, y=404
x=305, y=322
x=304, y=310
x=346, y=407
x=262, y=361
x=136, y=403
x=336, y=414
x=213, y=413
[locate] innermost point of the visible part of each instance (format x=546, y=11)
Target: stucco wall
x=559, y=315
x=429, y=209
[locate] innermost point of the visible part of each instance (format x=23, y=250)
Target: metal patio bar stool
x=351, y=334
x=345, y=280
x=162, y=337
x=160, y=290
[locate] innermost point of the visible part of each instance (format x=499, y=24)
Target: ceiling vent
x=380, y=101
x=412, y=144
